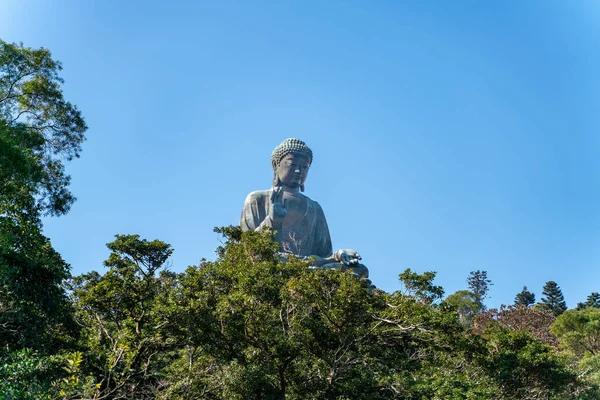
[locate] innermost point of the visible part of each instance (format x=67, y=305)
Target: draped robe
x=308, y=237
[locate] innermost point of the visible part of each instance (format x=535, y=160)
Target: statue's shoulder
x=313, y=203
x=258, y=195
x=318, y=207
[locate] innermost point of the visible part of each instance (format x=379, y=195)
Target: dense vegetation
x=248, y=325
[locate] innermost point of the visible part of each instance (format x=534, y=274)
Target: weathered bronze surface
x=299, y=222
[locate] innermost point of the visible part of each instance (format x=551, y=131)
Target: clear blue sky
x=448, y=136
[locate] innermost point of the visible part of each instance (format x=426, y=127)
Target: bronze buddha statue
x=299, y=222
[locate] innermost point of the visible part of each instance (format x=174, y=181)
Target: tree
x=34, y=311
x=553, y=298
x=39, y=130
x=524, y=298
x=118, y=311
x=593, y=300
x=579, y=331
x=465, y=303
x=420, y=286
x=479, y=284
x=524, y=368
x=28, y=375
x=252, y=326
x=579, y=334
x=535, y=321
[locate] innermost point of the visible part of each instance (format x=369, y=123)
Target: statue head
x=290, y=161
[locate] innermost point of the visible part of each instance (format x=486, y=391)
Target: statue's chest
x=297, y=208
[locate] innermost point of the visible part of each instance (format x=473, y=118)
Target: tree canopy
x=479, y=284
x=39, y=131
x=553, y=298
x=593, y=300
x=524, y=298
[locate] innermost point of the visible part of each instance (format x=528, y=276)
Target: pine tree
x=593, y=300
x=524, y=298
x=553, y=299
x=479, y=284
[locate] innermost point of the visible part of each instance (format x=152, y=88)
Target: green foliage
x=579, y=331
x=524, y=298
x=421, y=286
x=34, y=311
x=252, y=326
x=38, y=131
x=525, y=368
x=465, y=303
x=479, y=284
x=20, y=172
x=589, y=368
x=593, y=300
x=28, y=375
x=553, y=298
x=122, y=328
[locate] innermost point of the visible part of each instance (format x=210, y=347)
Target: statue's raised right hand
x=277, y=206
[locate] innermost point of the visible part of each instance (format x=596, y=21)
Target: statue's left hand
x=347, y=257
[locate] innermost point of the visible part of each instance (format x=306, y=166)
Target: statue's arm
x=250, y=219
x=323, y=244
x=347, y=257
x=268, y=222
x=255, y=213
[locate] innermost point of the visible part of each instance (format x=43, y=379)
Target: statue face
x=292, y=170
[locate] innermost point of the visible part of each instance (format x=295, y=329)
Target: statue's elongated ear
x=302, y=187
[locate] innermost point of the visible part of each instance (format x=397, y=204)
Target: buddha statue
x=298, y=222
